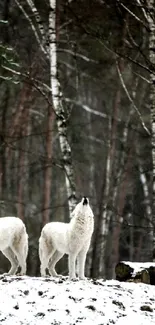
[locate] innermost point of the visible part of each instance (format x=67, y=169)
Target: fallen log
x=135, y=272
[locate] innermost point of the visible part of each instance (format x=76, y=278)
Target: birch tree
x=149, y=16
x=62, y=115
x=148, y=211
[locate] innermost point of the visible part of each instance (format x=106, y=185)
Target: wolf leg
x=53, y=261
x=13, y=260
x=81, y=264
x=21, y=258
x=45, y=254
x=82, y=260
x=20, y=249
x=72, y=260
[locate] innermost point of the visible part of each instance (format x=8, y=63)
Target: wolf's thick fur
x=14, y=243
x=58, y=238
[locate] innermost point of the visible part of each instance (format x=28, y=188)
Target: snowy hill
x=36, y=301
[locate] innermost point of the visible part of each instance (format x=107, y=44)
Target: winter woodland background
x=77, y=117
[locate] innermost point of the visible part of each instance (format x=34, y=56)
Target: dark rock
x=118, y=303
x=146, y=308
x=3, y=319
x=40, y=314
x=51, y=309
x=151, y=271
x=93, y=299
x=126, y=272
x=123, y=271
x=91, y=307
x=73, y=298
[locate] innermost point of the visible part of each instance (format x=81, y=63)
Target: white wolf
x=58, y=238
x=14, y=243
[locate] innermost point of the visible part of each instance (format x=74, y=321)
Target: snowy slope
x=36, y=301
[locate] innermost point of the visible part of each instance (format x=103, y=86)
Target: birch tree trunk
x=148, y=222
x=151, y=20
x=61, y=116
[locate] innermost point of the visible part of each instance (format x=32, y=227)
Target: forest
x=77, y=118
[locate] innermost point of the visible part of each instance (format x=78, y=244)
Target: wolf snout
x=85, y=200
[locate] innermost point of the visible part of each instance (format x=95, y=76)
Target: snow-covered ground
x=36, y=301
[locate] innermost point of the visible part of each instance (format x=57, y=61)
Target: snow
x=139, y=266
x=43, y=301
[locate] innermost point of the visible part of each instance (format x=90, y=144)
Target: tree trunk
x=151, y=20
x=118, y=220
x=148, y=209
x=91, y=186
x=4, y=105
x=121, y=189
x=22, y=190
x=61, y=115
x=106, y=215
x=102, y=227
x=14, y=130
x=48, y=168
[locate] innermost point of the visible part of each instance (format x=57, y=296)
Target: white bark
x=37, y=18
x=144, y=183
x=148, y=210
x=59, y=110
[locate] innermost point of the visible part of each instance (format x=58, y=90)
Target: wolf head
x=83, y=205
x=85, y=200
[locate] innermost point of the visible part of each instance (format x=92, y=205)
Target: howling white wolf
x=58, y=238
x=14, y=243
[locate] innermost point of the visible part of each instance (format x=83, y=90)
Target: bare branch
x=143, y=10
x=142, y=77
x=65, y=24
x=131, y=100
x=37, y=18
x=78, y=55
x=132, y=14
x=86, y=108
x=32, y=26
